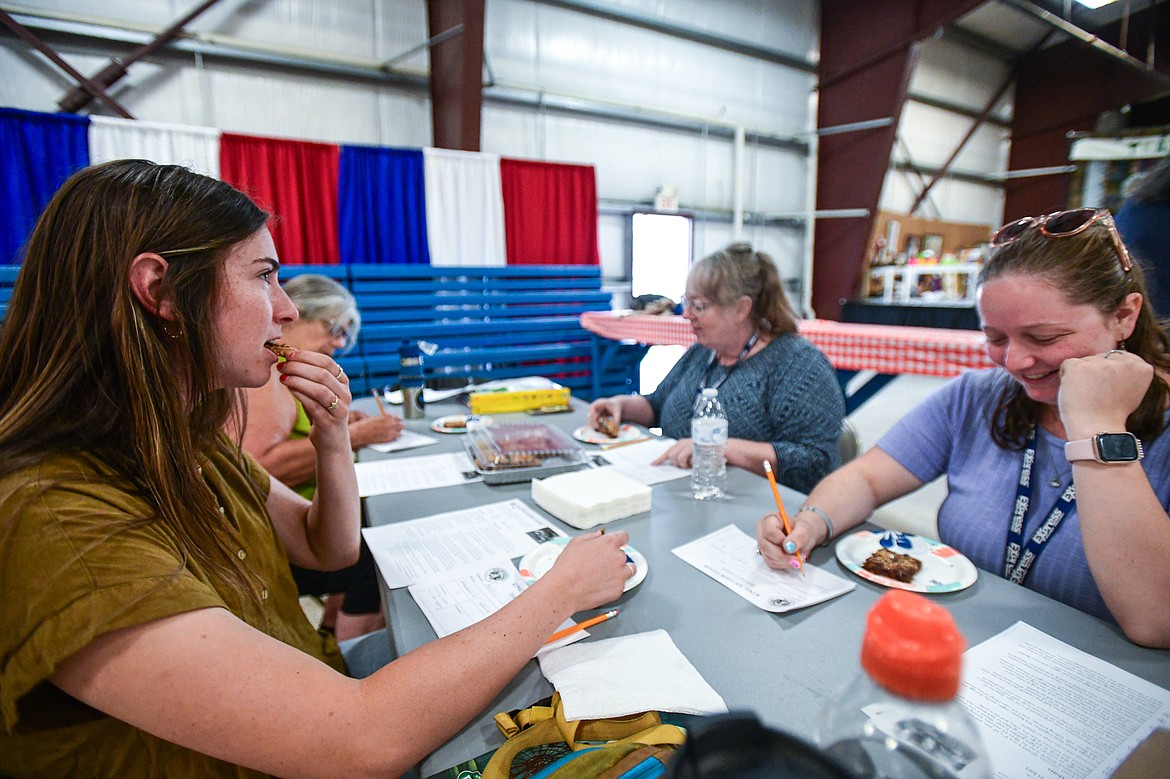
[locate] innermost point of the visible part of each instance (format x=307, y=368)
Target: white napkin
x=626, y=675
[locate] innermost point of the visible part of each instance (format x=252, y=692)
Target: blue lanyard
x=1019, y=557
x=715, y=358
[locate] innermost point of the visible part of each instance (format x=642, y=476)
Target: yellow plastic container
x=517, y=400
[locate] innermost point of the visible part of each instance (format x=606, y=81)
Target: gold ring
x=333, y=405
x=340, y=371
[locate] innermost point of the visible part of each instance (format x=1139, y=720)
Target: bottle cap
x=913, y=648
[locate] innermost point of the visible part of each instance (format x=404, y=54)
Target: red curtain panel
x=550, y=213
x=297, y=182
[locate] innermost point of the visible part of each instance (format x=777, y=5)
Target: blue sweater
x=786, y=394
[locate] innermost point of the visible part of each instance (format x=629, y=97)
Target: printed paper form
x=408, y=552
x=405, y=440
x=729, y=557
x=634, y=460
x=1045, y=708
x=404, y=474
x=460, y=598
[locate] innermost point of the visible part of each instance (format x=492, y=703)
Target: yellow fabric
x=547, y=725
x=301, y=429
x=72, y=570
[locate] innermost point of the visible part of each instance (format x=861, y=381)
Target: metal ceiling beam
x=79, y=97
x=987, y=109
x=1065, y=26
x=90, y=87
x=955, y=108
x=213, y=47
x=979, y=43
x=525, y=98
x=223, y=48
x=660, y=25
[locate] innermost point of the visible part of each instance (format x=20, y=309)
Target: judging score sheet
x=404, y=474
x=407, y=552
x=1045, y=708
x=729, y=557
x=457, y=599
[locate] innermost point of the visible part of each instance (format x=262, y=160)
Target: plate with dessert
x=624, y=433
x=537, y=562
x=456, y=423
x=905, y=561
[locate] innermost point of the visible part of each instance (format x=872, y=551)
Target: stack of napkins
x=591, y=496
x=615, y=677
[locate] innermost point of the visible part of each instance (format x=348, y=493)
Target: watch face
x=1117, y=447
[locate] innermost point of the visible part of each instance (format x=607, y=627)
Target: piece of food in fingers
x=899, y=567
x=608, y=425
x=279, y=349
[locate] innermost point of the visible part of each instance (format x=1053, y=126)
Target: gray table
x=782, y=666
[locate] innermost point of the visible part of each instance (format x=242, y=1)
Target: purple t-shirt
x=949, y=433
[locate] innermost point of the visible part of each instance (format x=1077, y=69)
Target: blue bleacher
x=487, y=323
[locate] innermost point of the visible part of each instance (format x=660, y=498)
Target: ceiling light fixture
x=1095, y=3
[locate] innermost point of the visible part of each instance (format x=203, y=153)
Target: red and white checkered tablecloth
x=922, y=351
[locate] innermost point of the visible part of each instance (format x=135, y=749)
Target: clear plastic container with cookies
x=514, y=452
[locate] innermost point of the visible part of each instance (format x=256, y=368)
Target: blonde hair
x=727, y=275
x=320, y=298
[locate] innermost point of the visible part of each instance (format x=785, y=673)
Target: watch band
x=1108, y=448
x=1080, y=450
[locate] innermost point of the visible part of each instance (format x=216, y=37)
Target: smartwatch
x=1106, y=448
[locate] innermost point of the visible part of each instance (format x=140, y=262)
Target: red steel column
x=868, y=53
x=456, y=73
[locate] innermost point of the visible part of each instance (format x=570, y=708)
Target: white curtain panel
x=465, y=208
x=117, y=139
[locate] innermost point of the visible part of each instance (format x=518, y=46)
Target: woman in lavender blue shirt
x=1080, y=354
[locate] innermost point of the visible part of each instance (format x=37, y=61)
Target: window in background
x=661, y=254
x=660, y=260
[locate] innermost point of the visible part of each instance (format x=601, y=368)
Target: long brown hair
x=88, y=370
x=1086, y=268
x=728, y=274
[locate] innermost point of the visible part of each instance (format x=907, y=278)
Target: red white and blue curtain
x=332, y=204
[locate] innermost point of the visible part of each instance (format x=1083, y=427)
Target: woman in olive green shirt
x=149, y=624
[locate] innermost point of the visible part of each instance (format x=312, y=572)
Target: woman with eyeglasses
x=783, y=402
x=277, y=435
x=1057, y=469
x=149, y=626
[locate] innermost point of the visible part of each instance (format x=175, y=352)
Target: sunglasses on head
x=1061, y=224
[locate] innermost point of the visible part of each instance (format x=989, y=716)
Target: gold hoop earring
x=173, y=336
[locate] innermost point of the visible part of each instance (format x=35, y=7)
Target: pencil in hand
x=581, y=626
x=378, y=400
x=799, y=561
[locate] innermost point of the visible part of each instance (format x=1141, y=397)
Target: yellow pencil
x=581, y=626
x=378, y=400
x=783, y=513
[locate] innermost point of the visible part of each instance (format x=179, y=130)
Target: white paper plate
x=591, y=436
x=943, y=569
x=456, y=423
x=537, y=562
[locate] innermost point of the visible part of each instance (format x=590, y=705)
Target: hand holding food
x=605, y=415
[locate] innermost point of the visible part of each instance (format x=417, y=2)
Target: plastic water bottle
x=410, y=378
x=900, y=719
x=709, y=437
